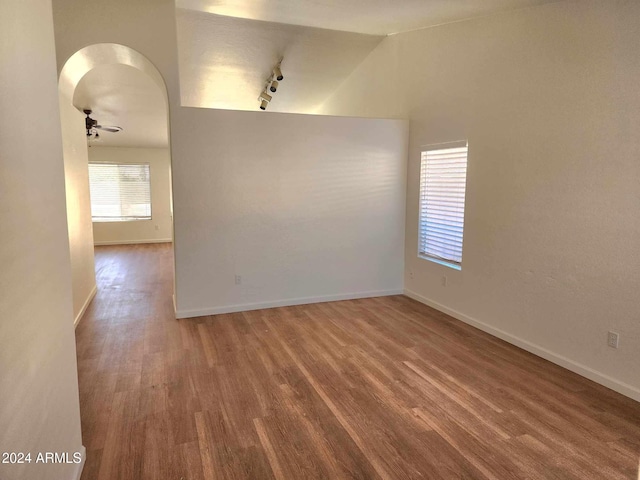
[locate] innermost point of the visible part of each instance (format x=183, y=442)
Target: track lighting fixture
x=271, y=84
x=265, y=96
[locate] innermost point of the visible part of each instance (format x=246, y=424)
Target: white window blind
x=119, y=192
x=443, y=178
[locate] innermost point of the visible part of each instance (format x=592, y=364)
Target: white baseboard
x=85, y=306
x=587, y=372
x=282, y=303
x=80, y=466
x=175, y=309
x=134, y=242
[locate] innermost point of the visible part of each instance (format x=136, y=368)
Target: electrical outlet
x=238, y=280
x=411, y=274
x=157, y=227
x=443, y=280
x=613, y=339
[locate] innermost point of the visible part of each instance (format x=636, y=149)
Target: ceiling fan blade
x=109, y=128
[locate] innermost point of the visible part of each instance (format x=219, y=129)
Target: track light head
x=278, y=73
x=274, y=86
x=265, y=96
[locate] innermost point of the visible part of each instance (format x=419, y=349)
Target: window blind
x=443, y=178
x=119, y=192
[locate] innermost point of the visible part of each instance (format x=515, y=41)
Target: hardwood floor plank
x=122, y=455
x=269, y=450
x=472, y=450
x=206, y=444
x=454, y=396
x=207, y=345
x=185, y=463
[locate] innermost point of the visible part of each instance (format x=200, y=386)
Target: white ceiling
x=224, y=62
x=124, y=96
x=375, y=17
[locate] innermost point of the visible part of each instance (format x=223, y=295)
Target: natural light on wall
x=443, y=178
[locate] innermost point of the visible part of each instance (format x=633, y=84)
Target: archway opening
x=118, y=183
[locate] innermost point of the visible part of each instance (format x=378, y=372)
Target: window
x=119, y=192
x=443, y=178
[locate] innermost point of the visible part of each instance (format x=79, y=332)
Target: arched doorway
x=82, y=86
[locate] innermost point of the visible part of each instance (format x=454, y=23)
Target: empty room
x=300, y=239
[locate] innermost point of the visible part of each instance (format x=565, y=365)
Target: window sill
x=123, y=220
x=454, y=266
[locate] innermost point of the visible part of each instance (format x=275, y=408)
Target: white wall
x=159, y=228
x=76, y=173
x=303, y=208
x=378, y=88
x=548, y=99
x=38, y=380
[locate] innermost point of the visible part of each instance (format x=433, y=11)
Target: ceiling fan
x=93, y=127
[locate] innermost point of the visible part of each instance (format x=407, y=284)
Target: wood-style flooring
x=376, y=388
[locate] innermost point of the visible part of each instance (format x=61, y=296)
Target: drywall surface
x=38, y=380
x=302, y=208
x=76, y=174
x=548, y=99
x=316, y=61
x=140, y=231
x=376, y=88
